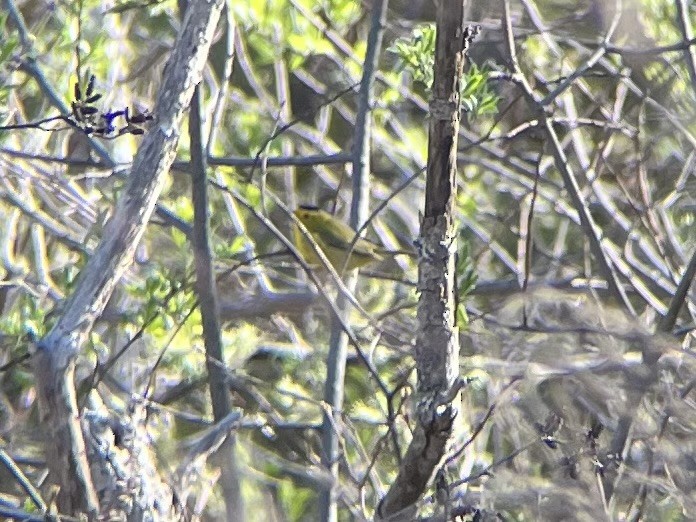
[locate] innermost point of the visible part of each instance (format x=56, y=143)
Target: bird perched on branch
x=335, y=239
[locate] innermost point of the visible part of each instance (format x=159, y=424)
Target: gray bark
x=55, y=356
x=437, y=343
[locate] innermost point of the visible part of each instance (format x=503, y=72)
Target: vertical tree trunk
x=210, y=315
x=338, y=343
x=437, y=344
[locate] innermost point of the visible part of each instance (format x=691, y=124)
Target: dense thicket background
x=578, y=245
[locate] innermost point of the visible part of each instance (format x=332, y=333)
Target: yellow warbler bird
x=334, y=238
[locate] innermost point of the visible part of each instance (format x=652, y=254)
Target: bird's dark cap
x=309, y=207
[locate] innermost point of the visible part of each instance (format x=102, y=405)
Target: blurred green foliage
x=416, y=53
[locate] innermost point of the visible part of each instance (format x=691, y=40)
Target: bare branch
x=437, y=343
x=54, y=360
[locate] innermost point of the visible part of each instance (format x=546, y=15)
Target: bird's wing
x=334, y=239
x=362, y=247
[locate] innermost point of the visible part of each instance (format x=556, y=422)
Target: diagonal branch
x=561, y=162
x=56, y=354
